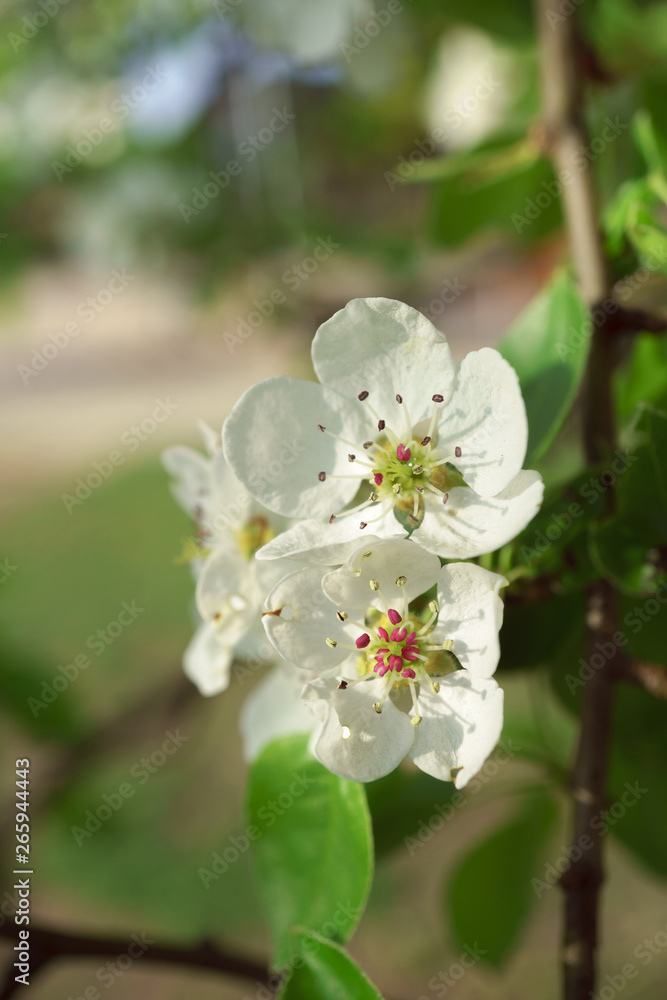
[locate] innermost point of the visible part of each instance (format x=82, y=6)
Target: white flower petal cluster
x=394, y=437
x=391, y=687
x=231, y=584
x=326, y=519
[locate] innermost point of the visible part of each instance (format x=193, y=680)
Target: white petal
x=353, y=740
x=307, y=618
x=227, y=594
x=207, y=662
x=272, y=441
x=471, y=614
x=273, y=709
x=192, y=472
x=327, y=544
x=384, y=561
x=460, y=727
x=385, y=347
x=211, y=438
x=469, y=525
x=486, y=418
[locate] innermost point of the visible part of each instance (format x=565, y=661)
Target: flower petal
x=271, y=440
x=486, y=419
x=299, y=618
x=353, y=740
x=460, y=727
x=192, y=472
x=383, y=561
x=207, y=662
x=384, y=347
x=471, y=614
x=227, y=594
x=273, y=709
x=327, y=544
x=469, y=525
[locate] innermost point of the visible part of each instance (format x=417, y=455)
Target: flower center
x=254, y=533
x=401, y=470
x=398, y=648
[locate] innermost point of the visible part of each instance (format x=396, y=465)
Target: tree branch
x=566, y=132
x=47, y=946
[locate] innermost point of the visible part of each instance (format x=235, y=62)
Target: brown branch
x=47, y=946
x=634, y=321
x=563, y=109
x=652, y=677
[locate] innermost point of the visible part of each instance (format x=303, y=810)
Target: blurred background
x=188, y=190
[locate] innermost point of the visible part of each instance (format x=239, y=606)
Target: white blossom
x=394, y=438
x=401, y=672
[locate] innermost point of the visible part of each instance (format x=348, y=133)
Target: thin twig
x=47, y=946
x=566, y=131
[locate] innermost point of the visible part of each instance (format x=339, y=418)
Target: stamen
x=321, y=476
x=363, y=395
x=437, y=398
x=426, y=440
x=457, y=452
x=408, y=422
x=416, y=719
x=341, y=616
x=363, y=640
x=401, y=581
x=324, y=430
x=403, y=454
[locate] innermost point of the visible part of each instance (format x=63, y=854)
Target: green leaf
x=324, y=971
x=650, y=244
x=548, y=347
x=643, y=379
x=313, y=848
x=623, y=550
x=637, y=813
x=505, y=202
x=490, y=895
x=621, y=211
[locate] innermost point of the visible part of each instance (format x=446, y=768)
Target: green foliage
x=314, y=858
x=400, y=802
x=323, y=970
x=489, y=895
x=548, y=347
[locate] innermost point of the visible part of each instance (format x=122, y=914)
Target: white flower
x=231, y=584
x=395, y=427
x=373, y=623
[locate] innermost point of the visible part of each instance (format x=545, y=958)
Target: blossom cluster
x=338, y=518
